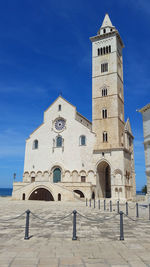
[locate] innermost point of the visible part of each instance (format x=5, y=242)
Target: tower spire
x=106, y=22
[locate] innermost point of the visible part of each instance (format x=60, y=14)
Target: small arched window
x=105, y=137
x=109, y=48
x=98, y=51
x=58, y=141
x=82, y=140
x=104, y=31
x=104, y=113
x=106, y=49
x=35, y=144
x=101, y=51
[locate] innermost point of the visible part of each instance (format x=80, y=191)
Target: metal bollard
x=149, y=211
x=74, y=237
x=121, y=226
x=94, y=203
x=90, y=202
x=86, y=202
x=104, y=204
x=137, y=210
x=27, y=225
x=99, y=204
x=110, y=206
x=127, y=208
x=118, y=206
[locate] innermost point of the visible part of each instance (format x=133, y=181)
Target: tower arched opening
x=104, y=180
x=41, y=194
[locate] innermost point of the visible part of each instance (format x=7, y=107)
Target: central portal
x=103, y=180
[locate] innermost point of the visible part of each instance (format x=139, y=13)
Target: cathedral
x=69, y=158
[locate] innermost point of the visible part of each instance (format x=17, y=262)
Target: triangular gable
x=57, y=100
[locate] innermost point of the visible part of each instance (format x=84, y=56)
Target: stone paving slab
x=51, y=244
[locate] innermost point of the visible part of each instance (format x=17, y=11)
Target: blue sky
x=45, y=49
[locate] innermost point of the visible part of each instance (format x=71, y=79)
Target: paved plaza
x=50, y=243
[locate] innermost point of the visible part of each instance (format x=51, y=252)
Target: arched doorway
x=79, y=193
x=56, y=175
x=59, y=197
x=103, y=180
x=41, y=194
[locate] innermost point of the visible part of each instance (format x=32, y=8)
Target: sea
x=5, y=192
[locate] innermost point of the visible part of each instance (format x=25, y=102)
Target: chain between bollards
x=74, y=237
x=137, y=210
x=27, y=225
x=110, y=206
x=121, y=226
x=127, y=208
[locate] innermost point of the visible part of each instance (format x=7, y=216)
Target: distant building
x=146, y=129
x=67, y=157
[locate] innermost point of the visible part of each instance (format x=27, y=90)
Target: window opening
x=57, y=175
x=59, y=141
x=104, y=113
x=83, y=179
x=105, y=137
x=59, y=108
x=32, y=179
x=35, y=144
x=104, y=67
x=82, y=140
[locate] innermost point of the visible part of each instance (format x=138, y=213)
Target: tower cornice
x=106, y=35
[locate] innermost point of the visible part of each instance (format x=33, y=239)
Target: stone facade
x=67, y=157
x=146, y=128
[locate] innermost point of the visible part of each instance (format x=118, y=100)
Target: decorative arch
x=103, y=161
x=41, y=193
x=117, y=177
x=82, y=172
x=32, y=174
x=75, y=176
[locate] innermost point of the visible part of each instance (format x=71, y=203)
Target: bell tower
x=107, y=87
